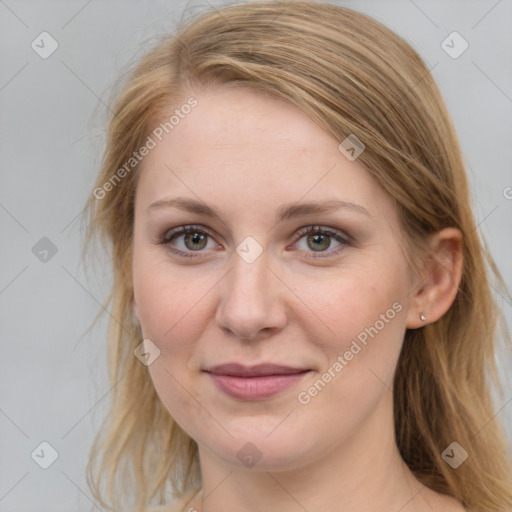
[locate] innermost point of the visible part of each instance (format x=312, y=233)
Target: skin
x=246, y=155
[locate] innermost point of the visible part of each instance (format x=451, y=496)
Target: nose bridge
x=248, y=283
x=248, y=277
x=249, y=301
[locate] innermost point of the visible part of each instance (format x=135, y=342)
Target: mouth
x=254, y=382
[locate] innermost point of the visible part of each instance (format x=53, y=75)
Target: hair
x=352, y=76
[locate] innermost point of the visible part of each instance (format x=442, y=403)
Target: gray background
x=53, y=376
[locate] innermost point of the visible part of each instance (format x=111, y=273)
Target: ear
x=435, y=291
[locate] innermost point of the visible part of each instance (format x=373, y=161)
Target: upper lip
x=239, y=370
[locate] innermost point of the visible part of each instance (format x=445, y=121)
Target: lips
x=238, y=370
x=254, y=382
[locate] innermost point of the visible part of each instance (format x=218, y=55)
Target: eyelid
x=185, y=229
x=314, y=228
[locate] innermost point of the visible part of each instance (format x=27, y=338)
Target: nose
x=251, y=303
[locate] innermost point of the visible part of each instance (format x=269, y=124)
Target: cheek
x=351, y=301
x=169, y=302
x=172, y=313
x=364, y=310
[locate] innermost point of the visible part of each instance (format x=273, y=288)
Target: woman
x=301, y=317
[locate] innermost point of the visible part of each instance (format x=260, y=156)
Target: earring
x=422, y=317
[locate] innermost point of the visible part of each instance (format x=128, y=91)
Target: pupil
x=195, y=239
x=318, y=239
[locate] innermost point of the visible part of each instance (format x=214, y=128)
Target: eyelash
x=174, y=233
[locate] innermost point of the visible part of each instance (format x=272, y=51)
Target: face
x=269, y=271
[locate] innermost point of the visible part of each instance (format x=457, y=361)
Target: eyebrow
x=284, y=212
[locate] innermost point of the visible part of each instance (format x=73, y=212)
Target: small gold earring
x=422, y=317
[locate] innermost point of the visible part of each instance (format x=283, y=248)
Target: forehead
x=237, y=145
x=236, y=117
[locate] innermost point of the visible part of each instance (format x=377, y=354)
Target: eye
x=318, y=239
x=186, y=240
x=190, y=239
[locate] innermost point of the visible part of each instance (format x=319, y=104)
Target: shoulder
x=177, y=506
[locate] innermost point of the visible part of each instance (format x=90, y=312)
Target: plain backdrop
x=53, y=375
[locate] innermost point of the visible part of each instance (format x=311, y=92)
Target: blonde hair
x=352, y=76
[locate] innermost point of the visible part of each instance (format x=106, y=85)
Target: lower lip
x=255, y=388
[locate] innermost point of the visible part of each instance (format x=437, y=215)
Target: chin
x=259, y=448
